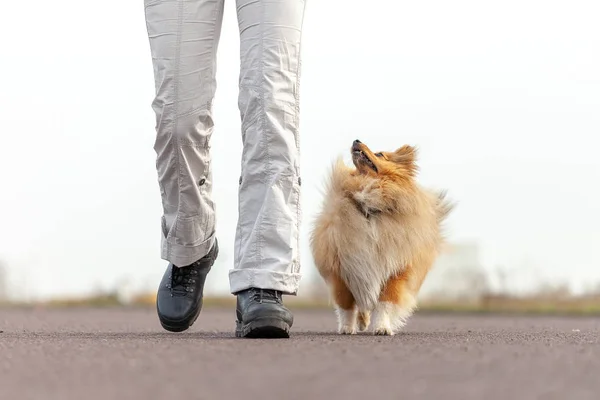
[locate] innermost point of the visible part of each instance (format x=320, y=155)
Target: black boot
x=261, y=314
x=179, y=298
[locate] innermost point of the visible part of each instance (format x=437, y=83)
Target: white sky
x=503, y=99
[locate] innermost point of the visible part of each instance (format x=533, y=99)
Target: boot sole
x=263, y=328
x=180, y=326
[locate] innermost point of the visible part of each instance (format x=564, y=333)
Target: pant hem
x=242, y=279
x=181, y=256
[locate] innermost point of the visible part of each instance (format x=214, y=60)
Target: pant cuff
x=242, y=279
x=182, y=256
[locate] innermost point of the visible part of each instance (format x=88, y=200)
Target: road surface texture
x=91, y=354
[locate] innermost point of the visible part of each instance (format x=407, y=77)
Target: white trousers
x=184, y=36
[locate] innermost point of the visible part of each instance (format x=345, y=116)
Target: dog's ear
x=405, y=159
x=405, y=155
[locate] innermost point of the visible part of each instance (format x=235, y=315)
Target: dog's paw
x=347, y=330
x=347, y=321
x=383, y=331
x=382, y=324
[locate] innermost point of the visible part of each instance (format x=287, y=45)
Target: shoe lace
x=266, y=296
x=183, y=280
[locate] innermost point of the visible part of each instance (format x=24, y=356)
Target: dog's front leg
x=345, y=306
x=396, y=304
x=382, y=324
x=347, y=320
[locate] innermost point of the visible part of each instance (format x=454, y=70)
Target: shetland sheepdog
x=376, y=238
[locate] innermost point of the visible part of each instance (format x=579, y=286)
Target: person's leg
x=184, y=36
x=266, y=248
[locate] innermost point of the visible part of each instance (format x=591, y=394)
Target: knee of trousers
x=192, y=128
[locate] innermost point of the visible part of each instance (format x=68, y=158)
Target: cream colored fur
x=366, y=237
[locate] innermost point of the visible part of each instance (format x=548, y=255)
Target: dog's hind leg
x=396, y=303
x=345, y=306
x=364, y=319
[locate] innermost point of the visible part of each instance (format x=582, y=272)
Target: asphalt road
x=123, y=354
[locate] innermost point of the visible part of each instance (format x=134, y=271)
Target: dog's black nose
x=357, y=141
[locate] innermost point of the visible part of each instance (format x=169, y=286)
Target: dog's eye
x=379, y=154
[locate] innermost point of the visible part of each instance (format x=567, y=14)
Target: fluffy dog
x=376, y=238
